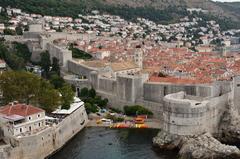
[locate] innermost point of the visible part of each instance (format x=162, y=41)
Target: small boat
x=139, y=121
x=141, y=126
x=120, y=125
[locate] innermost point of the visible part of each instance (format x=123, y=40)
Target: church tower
x=138, y=57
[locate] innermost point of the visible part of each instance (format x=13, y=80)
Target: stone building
x=138, y=57
x=21, y=118
x=38, y=140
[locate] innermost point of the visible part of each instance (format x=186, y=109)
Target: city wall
x=48, y=141
x=130, y=90
x=80, y=69
x=156, y=91
x=62, y=54
x=186, y=115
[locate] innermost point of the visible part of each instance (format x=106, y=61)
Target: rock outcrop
x=206, y=147
x=203, y=146
x=166, y=141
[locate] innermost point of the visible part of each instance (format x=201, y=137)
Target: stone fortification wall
x=156, y=91
x=124, y=87
x=130, y=90
x=48, y=141
x=236, y=92
x=69, y=127
x=78, y=83
x=116, y=91
x=107, y=85
x=70, y=36
x=35, y=49
x=62, y=54
x=31, y=35
x=156, y=108
x=93, y=79
x=80, y=69
x=183, y=116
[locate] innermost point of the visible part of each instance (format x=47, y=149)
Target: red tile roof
x=19, y=109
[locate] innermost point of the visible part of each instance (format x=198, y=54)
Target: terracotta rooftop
x=19, y=109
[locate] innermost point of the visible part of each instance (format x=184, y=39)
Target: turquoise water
x=104, y=143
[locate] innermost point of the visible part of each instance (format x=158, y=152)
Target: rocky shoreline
x=203, y=146
x=206, y=145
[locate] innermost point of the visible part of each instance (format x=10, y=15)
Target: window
x=39, y=115
x=20, y=130
x=39, y=124
x=238, y=85
x=29, y=118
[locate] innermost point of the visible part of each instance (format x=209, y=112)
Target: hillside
x=162, y=11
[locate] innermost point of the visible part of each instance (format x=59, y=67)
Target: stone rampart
x=183, y=116
x=78, y=83
x=62, y=54
x=80, y=69
x=107, y=85
x=156, y=91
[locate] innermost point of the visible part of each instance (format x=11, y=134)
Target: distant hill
x=163, y=11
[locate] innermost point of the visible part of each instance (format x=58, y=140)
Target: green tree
x=45, y=63
x=9, y=32
x=136, y=110
x=76, y=53
x=14, y=62
x=28, y=88
x=22, y=51
x=55, y=65
x=102, y=102
x=90, y=108
x=67, y=96
x=92, y=93
x=56, y=81
x=84, y=92
x=49, y=99
x=16, y=57
x=19, y=30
